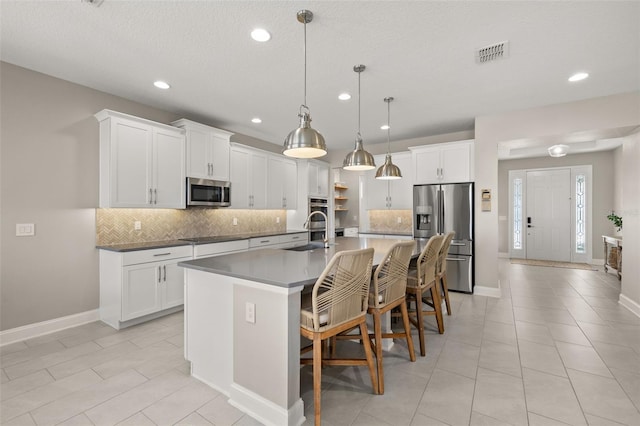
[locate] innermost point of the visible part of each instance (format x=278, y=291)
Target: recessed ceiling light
x=260, y=34
x=344, y=96
x=161, y=84
x=558, y=150
x=385, y=127
x=256, y=120
x=578, y=76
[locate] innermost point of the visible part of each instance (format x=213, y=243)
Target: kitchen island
x=242, y=323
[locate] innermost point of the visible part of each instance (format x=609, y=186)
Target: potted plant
x=617, y=220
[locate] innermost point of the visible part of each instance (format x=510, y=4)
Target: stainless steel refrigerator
x=439, y=209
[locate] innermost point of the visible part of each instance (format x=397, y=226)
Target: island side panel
x=267, y=352
x=209, y=328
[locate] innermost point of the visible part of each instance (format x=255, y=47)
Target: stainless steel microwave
x=208, y=193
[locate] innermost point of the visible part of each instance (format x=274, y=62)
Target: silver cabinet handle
x=159, y=274
x=150, y=196
x=164, y=268
x=162, y=254
x=265, y=241
x=155, y=199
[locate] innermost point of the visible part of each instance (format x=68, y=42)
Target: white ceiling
x=420, y=52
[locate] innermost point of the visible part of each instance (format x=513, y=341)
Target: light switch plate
x=250, y=312
x=25, y=230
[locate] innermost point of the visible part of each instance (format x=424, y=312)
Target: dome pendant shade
x=304, y=142
x=359, y=159
x=388, y=171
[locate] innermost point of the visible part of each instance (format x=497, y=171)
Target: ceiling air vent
x=493, y=52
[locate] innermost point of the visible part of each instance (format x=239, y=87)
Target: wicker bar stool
x=338, y=303
x=442, y=268
x=425, y=280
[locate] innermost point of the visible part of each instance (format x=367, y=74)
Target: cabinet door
x=239, y=174
x=426, y=164
x=377, y=190
x=219, y=157
x=172, y=285
x=258, y=186
x=169, y=176
x=140, y=295
x=401, y=190
x=131, y=162
x=198, y=154
x=455, y=163
x=323, y=180
x=312, y=171
x=275, y=183
x=290, y=184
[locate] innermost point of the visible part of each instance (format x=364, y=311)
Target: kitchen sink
x=307, y=247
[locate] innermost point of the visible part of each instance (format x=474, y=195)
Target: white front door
x=548, y=215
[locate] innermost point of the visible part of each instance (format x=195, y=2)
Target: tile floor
x=556, y=349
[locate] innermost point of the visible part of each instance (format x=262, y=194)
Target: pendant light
x=304, y=142
x=388, y=171
x=359, y=159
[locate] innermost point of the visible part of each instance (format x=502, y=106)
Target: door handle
x=159, y=274
x=164, y=268
x=529, y=226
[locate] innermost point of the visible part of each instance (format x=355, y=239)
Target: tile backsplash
x=387, y=221
x=116, y=226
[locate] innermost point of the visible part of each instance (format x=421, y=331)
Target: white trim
x=30, y=331
x=480, y=290
x=503, y=255
x=631, y=305
x=266, y=411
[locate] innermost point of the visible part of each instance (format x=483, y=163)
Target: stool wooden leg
x=445, y=291
x=407, y=330
x=420, y=319
x=317, y=376
x=367, y=350
x=437, y=306
x=378, y=346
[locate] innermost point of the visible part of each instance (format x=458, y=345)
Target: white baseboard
x=480, y=290
x=264, y=410
x=631, y=305
x=30, y=331
x=503, y=255
x=597, y=262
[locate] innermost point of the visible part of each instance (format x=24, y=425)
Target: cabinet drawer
x=264, y=241
x=156, y=255
x=213, y=249
x=294, y=238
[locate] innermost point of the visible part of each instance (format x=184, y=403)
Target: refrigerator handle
x=441, y=231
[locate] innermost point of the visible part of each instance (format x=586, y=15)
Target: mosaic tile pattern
x=116, y=226
x=387, y=221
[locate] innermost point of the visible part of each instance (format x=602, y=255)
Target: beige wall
x=631, y=222
x=602, y=192
x=49, y=177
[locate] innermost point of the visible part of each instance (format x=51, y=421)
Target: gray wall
x=49, y=176
x=602, y=191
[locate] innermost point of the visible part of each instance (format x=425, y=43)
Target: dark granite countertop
x=193, y=241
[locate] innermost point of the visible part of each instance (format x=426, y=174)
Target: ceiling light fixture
x=558, y=150
x=256, y=120
x=261, y=35
x=161, y=84
x=359, y=159
x=384, y=127
x=578, y=76
x=388, y=171
x=344, y=96
x=304, y=142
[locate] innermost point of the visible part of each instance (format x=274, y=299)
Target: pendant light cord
x=359, y=72
x=305, y=64
x=388, y=100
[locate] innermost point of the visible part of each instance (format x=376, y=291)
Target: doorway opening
x=550, y=214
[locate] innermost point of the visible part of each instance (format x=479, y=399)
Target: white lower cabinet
x=137, y=284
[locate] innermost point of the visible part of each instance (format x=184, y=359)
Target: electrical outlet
x=277, y=219
x=250, y=312
x=235, y=221
x=399, y=219
x=137, y=225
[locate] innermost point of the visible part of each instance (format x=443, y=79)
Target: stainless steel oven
x=317, y=221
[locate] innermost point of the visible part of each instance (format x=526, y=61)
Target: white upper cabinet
x=248, y=175
x=390, y=194
x=443, y=163
x=141, y=162
x=282, y=183
x=207, y=150
x=318, y=173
